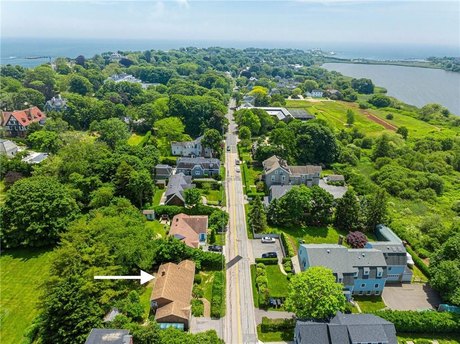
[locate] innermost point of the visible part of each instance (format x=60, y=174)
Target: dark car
x=215, y=248
x=278, y=303
x=272, y=302
x=270, y=255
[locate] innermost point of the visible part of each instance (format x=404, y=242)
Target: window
x=273, y=178
x=363, y=285
x=283, y=178
x=376, y=285
x=368, y=292
x=389, y=268
x=366, y=271
x=360, y=292
x=377, y=292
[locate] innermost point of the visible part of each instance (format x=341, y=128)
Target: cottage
x=191, y=229
x=278, y=172
x=198, y=167
x=316, y=93
x=346, y=329
x=17, y=122
x=361, y=271
x=396, y=258
x=163, y=172
x=191, y=149
x=56, y=104
x=8, y=148
x=149, y=214
x=172, y=293
x=175, y=192
x=109, y=336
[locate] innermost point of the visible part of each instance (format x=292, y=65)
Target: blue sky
x=325, y=21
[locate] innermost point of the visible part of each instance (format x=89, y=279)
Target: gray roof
x=307, y=169
x=35, y=158
x=274, y=162
x=342, y=260
x=108, y=336
x=384, y=232
x=278, y=191
x=346, y=329
x=206, y=163
x=7, y=147
x=394, y=253
x=335, y=178
x=300, y=114
x=176, y=186
x=187, y=144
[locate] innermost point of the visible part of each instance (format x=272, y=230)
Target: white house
x=317, y=93
x=190, y=149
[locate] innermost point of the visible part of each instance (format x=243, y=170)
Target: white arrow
x=144, y=277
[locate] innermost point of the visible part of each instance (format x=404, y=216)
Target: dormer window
x=366, y=271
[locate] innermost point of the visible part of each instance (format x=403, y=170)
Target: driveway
x=258, y=248
x=406, y=297
x=203, y=324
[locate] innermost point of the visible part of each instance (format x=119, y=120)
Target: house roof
x=176, y=186
x=187, y=144
x=188, y=228
x=341, y=259
x=394, y=252
x=35, y=157
x=347, y=329
x=26, y=117
x=208, y=163
x=300, y=114
x=174, y=283
x=335, y=178
x=387, y=233
x=8, y=147
x=274, y=162
x=56, y=102
x=307, y=169
x=278, y=191
x=108, y=336
x=148, y=211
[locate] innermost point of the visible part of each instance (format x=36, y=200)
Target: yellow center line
x=240, y=337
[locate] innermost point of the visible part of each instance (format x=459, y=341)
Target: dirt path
x=380, y=121
x=207, y=308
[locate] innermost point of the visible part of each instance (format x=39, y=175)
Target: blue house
x=198, y=167
x=396, y=258
x=361, y=271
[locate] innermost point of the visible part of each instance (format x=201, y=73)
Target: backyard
x=135, y=139
x=157, y=196
x=23, y=272
x=159, y=229
x=369, y=304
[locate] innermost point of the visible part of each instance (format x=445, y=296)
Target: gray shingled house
x=198, y=167
x=109, y=336
x=346, y=329
x=175, y=191
x=278, y=172
x=163, y=171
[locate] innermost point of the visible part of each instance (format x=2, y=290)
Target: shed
x=149, y=214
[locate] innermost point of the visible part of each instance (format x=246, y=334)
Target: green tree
x=382, y=147
x=79, y=84
x=350, y=117
x=376, y=209
x=44, y=141
x=257, y=216
x=244, y=133
x=309, y=85
x=212, y=237
x=42, y=79
x=380, y=100
x=248, y=119
x=23, y=215
x=192, y=197
x=403, y=131
x=111, y=131
x=170, y=128
x=362, y=85
x=101, y=197
x=348, y=214
x=212, y=139
x=314, y=294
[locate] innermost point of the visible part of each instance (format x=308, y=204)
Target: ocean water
x=18, y=50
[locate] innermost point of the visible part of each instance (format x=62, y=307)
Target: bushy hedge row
x=172, y=210
x=197, y=308
x=145, y=139
x=262, y=284
x=418, y=262
x=217, y=294
x=206, y=260
x=423, y=322
x=267, y=261
x=277, y=325
x=289, y=250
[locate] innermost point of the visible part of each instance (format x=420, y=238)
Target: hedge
x=217, y=294
x=267, y=261
x=422, y=322
x=197, y=308
x=277, y=325
x=289, y=250
x=172, y=210
x=145, y=139
x=418, y=262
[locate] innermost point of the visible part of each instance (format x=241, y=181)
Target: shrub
x=267, y=261
x=363, y=105
x=261, y=272
x=197, y=291
x=422, y=322
x=197, y=279
x=145, y=139
x=262, y=281
x=169, y=160
x=356, y=239
x=389, y=116
x=277, y=325
x=379, y=100
x=197, y=308
x=289, y=250
x=418, y=262
x=217, y=294
x=261, y=265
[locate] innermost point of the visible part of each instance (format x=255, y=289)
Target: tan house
x=172, y=293
x=191, y=229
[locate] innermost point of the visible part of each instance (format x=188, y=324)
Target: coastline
x=415, y=64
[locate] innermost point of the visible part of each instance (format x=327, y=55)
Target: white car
x=268, y=240
x=237, y=169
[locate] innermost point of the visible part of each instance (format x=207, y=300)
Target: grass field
x=369, y=304
x=277, y=282
x=157, y=196
x=274, y=336
x=2, y=192
x=145, y=298
x=134, y=140
x=22, y=273
x=158, y=228
x=416, y=338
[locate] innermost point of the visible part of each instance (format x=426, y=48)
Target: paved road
x=240, y=322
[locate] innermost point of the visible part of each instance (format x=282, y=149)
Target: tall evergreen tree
x=347, y=214
x=257, y=216
x=376, y=209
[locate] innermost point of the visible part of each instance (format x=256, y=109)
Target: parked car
x=278, y=303
x=272, y=302
x=270, y=255
x=215, y=248
x=228, y=148
x=268, y=240
x=237, y=169
x=237, y=161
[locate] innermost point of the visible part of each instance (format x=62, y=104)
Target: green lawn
x=158, y=228
x=207, y=277
x=277, y=282
x=157, y=196
x=403, y=338
x=145, y=298
x=213, y=196
x=369, y=304
x=220, y=239
x=135, y=139
x=418, y=276
x=22, y=273
x=274, y=336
